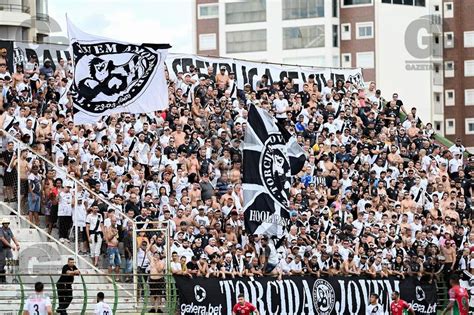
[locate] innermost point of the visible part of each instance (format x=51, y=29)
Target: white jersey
x=65, y=204
x=38, y=304
x=376, y=309
x=102, y=308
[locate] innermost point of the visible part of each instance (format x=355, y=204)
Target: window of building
x=387, y=1
x=365, y=60
x=346, y=60
x=448, y=10
x=356, y=2
x=469, y=97
x=449, y=97
x=450, y=126
x=449, y=69
x=335, y=36
x=469, y=39
x=303, y=37
x=436, y=39
x=207, y=41
x=436, y=8
x=469, y=68
x=346, y=31
x=208, y=11
x=420, y=3
x=302, y=9
x=246, y=41
x=246, y=11
x=334, y=8
x=469, y=125
x=365, y=30
x=437, y=126
x=448, y=39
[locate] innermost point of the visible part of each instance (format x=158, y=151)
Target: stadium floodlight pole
x=76, y=232
x=18, y=179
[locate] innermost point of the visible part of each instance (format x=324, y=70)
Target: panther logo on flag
x=275, y=169
x=110, y=75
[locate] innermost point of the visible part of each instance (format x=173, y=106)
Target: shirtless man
x=111, y=236
x=235, y=173
x=195, y=194
x=192, y=164
x=178, y=135
x=156, y=281
x=24, y=171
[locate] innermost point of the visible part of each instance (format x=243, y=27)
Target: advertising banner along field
x=301, y=295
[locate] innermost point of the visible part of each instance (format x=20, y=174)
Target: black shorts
x=157, y=287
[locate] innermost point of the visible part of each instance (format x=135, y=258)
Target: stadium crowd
x=378, y=195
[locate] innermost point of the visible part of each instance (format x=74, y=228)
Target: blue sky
x=152, y=21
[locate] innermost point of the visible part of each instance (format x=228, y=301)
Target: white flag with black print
x=271, y=157
x=113, y=77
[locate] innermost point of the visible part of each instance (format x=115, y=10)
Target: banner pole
x=18, y=188
x=134, y=263
x=76, y=232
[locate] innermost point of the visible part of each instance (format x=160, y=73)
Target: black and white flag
x=113, y=77
x=271, y=157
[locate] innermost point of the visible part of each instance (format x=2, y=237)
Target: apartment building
x=458, y=53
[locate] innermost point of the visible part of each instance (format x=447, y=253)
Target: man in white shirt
x=102, y=308
x=38, y=303
x=280, y=104
x=374, y=308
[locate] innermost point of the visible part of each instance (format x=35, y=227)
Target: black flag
x=271, y=157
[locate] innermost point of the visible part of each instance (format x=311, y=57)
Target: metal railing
x=14, y=8
x=22, y=146
x=85, y=289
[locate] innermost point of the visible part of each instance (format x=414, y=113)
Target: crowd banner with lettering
x=301, y=295
x=24, y=50
x=251, y=72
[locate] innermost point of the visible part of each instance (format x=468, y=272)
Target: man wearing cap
x=222, y=78
x=6, y=246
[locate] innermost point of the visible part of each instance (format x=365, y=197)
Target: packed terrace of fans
x=378, y=196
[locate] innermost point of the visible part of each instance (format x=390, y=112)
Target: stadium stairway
x=41, y=256
x=442, y=293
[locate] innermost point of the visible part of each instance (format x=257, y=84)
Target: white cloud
x=138, y=21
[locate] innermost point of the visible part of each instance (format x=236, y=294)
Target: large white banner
x=114, y=77
x=251, y=72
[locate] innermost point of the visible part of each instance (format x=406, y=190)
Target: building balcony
x=14, y=8
x=15, y=15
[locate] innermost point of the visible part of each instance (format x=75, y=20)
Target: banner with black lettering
x=54, y=52
x=114, y=77
x=250, y=72
x=270, y=157
x=301, y=295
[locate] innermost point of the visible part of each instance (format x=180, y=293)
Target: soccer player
x=398, y=305
x=38, y=303
x=243, y=308
x=374, y=308
x=102, y=308
x=458, y=298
